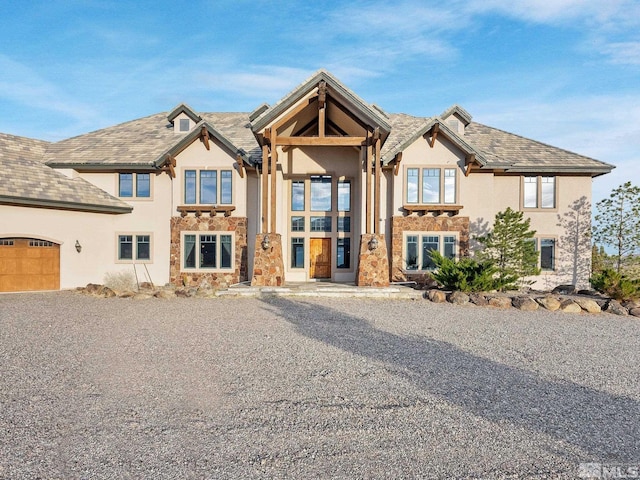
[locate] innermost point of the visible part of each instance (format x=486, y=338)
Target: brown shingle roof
x=27, y=181
x=503, y=149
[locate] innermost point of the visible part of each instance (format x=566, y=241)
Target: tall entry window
x=321, y=224
x=321, y=193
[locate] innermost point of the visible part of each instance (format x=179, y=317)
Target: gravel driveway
x=320, y=388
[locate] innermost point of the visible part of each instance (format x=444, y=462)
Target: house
x=320, y=185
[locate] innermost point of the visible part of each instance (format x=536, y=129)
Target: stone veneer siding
x=415, y=223
x=373, y=265
x=238, y=225
x=268, y=266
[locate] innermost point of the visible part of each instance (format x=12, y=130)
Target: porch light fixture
x=266, y=243
x=373, y=243
x=78, y=246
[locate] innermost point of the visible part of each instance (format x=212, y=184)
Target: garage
x=28, y=264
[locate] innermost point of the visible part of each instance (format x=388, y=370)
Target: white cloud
x=23, y=86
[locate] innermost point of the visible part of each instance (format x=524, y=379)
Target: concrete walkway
x=324, y=289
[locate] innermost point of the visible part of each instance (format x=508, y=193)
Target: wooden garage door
x=29, y=264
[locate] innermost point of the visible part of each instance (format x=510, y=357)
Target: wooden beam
x=397, y=168
x=266, y=135
x=265, y=188
x=321, y=122
x=434, y=134
x=322, y=94
x=322, y=142
x=240, y=163
x=369, y=154
x=376, y=202
x=292, y=113
x=204, y=134
x=469, y=161
x=274, y=169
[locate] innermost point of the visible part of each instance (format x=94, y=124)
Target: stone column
x=373, y=264
x=268, y=266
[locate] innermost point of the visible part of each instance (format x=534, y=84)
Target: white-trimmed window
x=418, y=245
x=133, y=246
x=208, y=251
x=208, y=187
x=538, y=191
x=136, y=185
x=431, y=185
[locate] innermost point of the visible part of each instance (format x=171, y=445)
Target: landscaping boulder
x=500, y=302
x=458, y=298
x=437, y=296
x=526, y=304
x=616, y=308
x=587, y=305
x=142, y=296
x=478, y=299
x=635, y=312
x=550, y=303
x=166, y=294
x=126, y=294
x=569, y=306
x=564, y=290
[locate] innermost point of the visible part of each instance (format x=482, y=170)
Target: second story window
x=431, y=186
x=208, y=187
x=539, y=192
x=132, y=185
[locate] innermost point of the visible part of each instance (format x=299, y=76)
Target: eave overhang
x=62, y=205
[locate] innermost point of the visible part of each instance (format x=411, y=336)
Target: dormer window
x=185, y=124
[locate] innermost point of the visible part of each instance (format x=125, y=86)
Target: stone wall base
x=221, y=279
x=268, y=265
x=373, y=265
x=425, y=223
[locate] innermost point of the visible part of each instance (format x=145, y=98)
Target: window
x=344, y=224
x=184, y=124
x=142, y=183
x=547, y=253
x=344, y=253
x=134, y=247
x=297, y=195
x=202, y=185
x=6, y=242
x=40, y=243
x=437, y=185
x=321, y=193
x=297, y=253
x=207, y=251
x=320, y=224
x=344, y=195
x=417, y=249
x=539, y=192
x=297, y=224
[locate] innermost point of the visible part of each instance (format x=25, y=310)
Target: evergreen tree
x=617, y=224
x=511, y=248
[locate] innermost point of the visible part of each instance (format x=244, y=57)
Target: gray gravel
x=320, y=388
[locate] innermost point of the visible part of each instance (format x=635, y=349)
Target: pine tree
x=617, y=224
x=511, y=247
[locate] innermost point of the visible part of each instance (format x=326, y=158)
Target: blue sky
x=565, y=72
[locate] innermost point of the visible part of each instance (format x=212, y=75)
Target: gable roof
x=145, y=142
x=33, y=184
x=457, y=109
x=187, y=110
x=411, y=130
x=366, y=112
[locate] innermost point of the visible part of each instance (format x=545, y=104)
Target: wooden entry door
x=320, y=258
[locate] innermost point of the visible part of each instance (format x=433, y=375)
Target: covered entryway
x=320, y=258
x=29, y=264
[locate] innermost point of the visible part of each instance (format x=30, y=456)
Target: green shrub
x=615, y=285
x=469, y=275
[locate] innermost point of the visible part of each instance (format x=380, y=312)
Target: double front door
x=320, y=258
